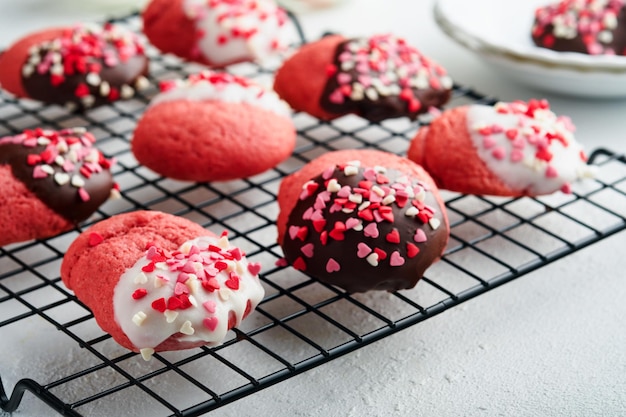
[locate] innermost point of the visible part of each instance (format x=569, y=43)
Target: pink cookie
x=164, y=282
x=213, y=127
x=50, y=182
x=377, y=78
x=216, y=32
x=510, y=149
x=362, y=220
x=80, y=66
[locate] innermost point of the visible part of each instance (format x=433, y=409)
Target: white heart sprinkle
x=61, y=178
x=187, y=329
x=171, y=315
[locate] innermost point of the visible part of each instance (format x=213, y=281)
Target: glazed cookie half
x=510, y=149
x=216, y=32
x=163, y=282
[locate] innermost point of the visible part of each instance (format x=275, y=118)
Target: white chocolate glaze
x=236, y=30
x=528, y=148
x=211, y=282
x=217, y=86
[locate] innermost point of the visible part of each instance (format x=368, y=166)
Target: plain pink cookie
x=216, y=33
x=214, y=127
x=51, y=181
x=163, y=282
x=510, y=149
x=79, y=66
x=362, y=220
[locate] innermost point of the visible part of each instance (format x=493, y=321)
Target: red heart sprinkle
x=174, y=303
x=319, y=225
x=303, y=232
x=324, y=237
x=159, y=305
x=139, y=293
x=254, y=268
x=232, y=282
x=211, y=285
x=210, y=323
x=382, y=255
x=299, y=264
x=412, y=250
x=232, y=319
x=247, y=310
x=95, y=239
x=393, y=236
x=82, y=90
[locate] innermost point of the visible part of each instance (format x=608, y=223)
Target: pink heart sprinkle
x=332, y=266
x=317, y=215
x=488, y=142
x=83, y=194
x=30, y=143
x=345, y=56
x=343, y=78
x=307, y=214
x=344, y=192
x=210, y=323
x=420, y=236
x=293, y=232
x=336, y=97
x=352, y=222
x=38, y=172
x=363, y=68
x=396, y=259
x=209, y=306
x=281, y=262
x=371, y=230
x=308, y=250
x=375, y=198
x=516, y=155
x=551, y=172
x=363, y=250
x=366, y=80
x=152, y=251
x=254, y=268
x=328, y=172
x=369, y=174
x=180, y=288
x=499, y=153
x=519, y=143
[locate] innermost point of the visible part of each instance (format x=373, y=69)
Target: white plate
x=499, y=31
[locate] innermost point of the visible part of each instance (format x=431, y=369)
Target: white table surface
x=552, y=343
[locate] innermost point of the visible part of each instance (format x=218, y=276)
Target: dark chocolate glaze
x=576, y=44
x=64, y=199
x=356, y=274
x=384, y=107
x=39, y=87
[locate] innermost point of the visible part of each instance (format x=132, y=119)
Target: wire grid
x=301, y=323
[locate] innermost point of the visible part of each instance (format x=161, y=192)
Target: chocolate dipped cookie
x=377, y=78
x=80, y=67
x=362, y=220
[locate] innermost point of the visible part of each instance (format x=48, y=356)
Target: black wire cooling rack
x=301, y=323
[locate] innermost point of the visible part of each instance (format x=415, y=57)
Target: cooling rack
x=301, y=323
